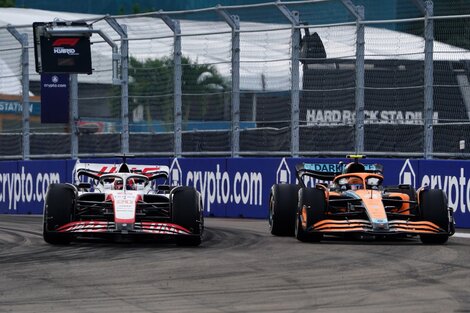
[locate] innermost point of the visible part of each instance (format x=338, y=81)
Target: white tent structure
x=264, y=55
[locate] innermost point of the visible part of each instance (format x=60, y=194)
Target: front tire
x=187, y=212
x=311, y=209
x=59, y=206
x=282, y=207
x=434, y=208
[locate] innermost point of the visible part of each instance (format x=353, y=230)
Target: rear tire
x=282, y=207
x=434, y=208
x=313, y=202
x=187, y=212
x=59, y=206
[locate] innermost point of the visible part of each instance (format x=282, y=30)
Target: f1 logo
x=65, y=42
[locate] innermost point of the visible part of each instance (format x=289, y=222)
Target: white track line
x=462, y=235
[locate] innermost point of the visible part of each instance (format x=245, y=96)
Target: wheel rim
x=271, y=213
x=297, y=222
x=296, y=231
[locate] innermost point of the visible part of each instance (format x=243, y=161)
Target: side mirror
x=84, y=186
x=163, y=187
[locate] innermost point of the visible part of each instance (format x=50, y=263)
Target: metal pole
x=125, y=91
x=234, y=22
x=122, y=31
x=174, y=25
x=236, y=87
x=73, y=116
x=360, y=72
x=428, y=80
x=23, y=40
x=177, y=81
x=295, y=96
x=293, y=17
x=358, y=13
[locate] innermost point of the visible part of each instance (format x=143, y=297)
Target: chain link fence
x=311, y=78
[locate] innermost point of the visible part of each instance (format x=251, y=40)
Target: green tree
x=203, y=91
x=7, y=3
x=151, y=87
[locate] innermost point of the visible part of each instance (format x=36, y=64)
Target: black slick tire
x=282, y=208
x=434, y=208
x=186, y=211
x=59, y=206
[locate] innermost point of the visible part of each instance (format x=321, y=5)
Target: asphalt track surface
x=239, y=267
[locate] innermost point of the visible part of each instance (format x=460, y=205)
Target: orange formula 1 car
x=355, y=202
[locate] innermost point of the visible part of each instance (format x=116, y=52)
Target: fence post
x=73, y=98
x=23, y=40
x=124, y=81
x=234, y=22
x=358, y=13
x=125, y=90
x=174, y=25
x=293, y=17
x=360, y=72
x=428, y=80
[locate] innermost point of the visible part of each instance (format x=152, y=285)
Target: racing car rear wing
x=328, y=171
x=95, y=170
x=321, y=171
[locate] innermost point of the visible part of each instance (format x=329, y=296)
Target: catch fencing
x=294, y=78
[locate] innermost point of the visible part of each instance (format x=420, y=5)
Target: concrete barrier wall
x=232, y=187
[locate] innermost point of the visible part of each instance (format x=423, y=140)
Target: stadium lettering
x=348, y=117
x=12, y=106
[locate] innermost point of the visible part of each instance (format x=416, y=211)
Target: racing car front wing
x=365, y=226
x=111, y=227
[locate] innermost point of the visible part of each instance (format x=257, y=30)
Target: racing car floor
x=239, y=267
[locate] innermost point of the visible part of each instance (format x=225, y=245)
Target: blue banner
x=233, y=187
x=16, y=107
x=54, y=98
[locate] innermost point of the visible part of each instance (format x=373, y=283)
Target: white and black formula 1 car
x=354, y=202
x=122, y=201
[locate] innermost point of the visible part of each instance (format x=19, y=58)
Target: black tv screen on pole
x=68, y=53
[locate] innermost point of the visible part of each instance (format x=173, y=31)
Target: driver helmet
x=131, y=184
x=355, y=183
x=354, y=168
x=118, y=184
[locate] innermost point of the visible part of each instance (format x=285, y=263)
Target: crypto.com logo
x=283, y=175
x=407, y=174
x=176, y=175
